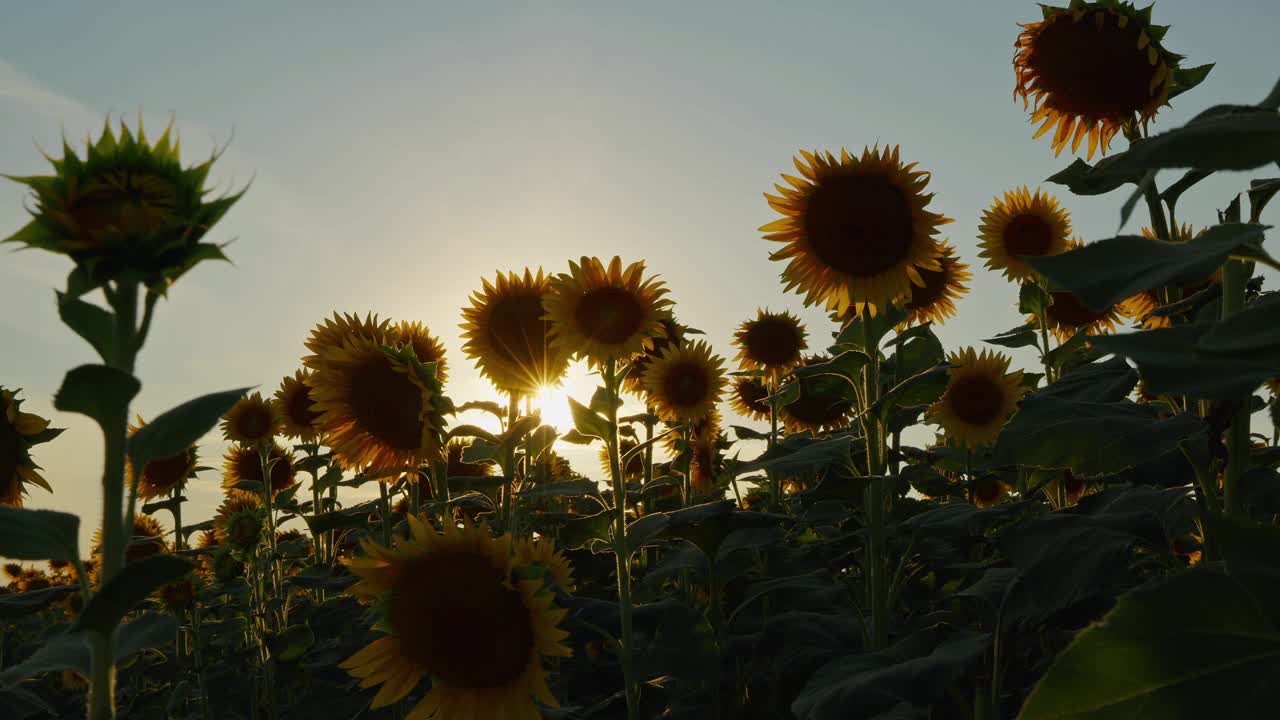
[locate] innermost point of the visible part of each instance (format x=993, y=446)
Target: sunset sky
x=399, y=154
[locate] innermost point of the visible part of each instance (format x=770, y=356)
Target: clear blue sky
x=402, y=153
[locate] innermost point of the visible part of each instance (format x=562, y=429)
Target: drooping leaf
x=128, y=588
x=173, y=431
x=64, y=649
x=1108, y=381
x=292, y=643
x=39, y=535
x=587, y=422
x=1240, y=140
x=920, y=389
x=1082, y=179
x=1022, y=336
x=94, y=324
x=16, y=605
x=865, y=333
x=1171, y=363
x=1251, y=552
x=100, y=392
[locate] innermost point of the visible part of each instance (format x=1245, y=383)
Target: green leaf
x=1241, y=140
x=16, y=605
x=171, y=504
x=847, y=365
x=252, y=487
x=1090, y=438
x=746, y=433
x=128, y=588
x=66, y=650
x=1081, y=178
x=1032, y=299
x=600, y=401
x=1171, y=363
x=540, y=441
x=800, y=454
x=474, y=431
x=587, y=422
x=95, y=325
x=854, y=334
x=1068, y=351
x=39, y=535
x=1022, y=336
x=173, y=431
x=518, y=430
x=1104, y=273
x=149, y=630
x=349, y=518
x=1102, y=382
x=493, y=408
x=98, y=391
x=577, y=438
x=919, y=389
x=292, y=643
x=564, y=488
x=481, y=451
x=1260, y=193
x=586, y=531
x=1186, y=78
x=1256, y=328
x=1251, y=552
x=1195, y=645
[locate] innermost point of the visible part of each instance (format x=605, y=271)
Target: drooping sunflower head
x=542, y=552
x=482, y=642
x=684, y=383
x=509, y=337
x=856, y=229
x=253, y=419
x=988, y=490
x=458, y=467
x=379, y=409
x=298, y=417
x=179, y=596
x=163, y=475
x=632, y=467
x=981, y=394
x=241, y=520
x=19, y=431
x=771, y=343
x=935, y=300
x=127, y=206
x=243, y=463
x=748, y=398
x=1021, y=224
x=331, y=333
x=600, y=312
x=1140, y=306
x=817, y=409
x=1092, y=70
x=1066, y=315
x=426, y=347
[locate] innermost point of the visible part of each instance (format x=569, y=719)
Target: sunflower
x=331, y=333
x=934, y=301
x=179, y=596
x=856, y=229
x=704, y=464
x=1093, y=70
x=19, y=431
x=240, y=520
x=632, y=467
x=988, y=491
x=543, y=552
x=146, y=540
x=426, y=347
x=243, y=463
x=605, y=313
x=707, y=427
x=1140, y=306
x=981, y=394
x=251, y=420
x=482, y=642
x=814, y=410
x=1066, y=315
x=297, y=417
x=685, y=383
x=1022, y=223
x=770, y=344
x=748, y=398
x=162, y=476
x=508, y=336
x=672, y=335
x=377, y=409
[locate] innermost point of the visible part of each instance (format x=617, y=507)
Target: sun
x=553, y=403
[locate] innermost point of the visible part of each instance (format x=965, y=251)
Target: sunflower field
x=1096, y=536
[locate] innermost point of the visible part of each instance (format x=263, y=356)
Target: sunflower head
x=146, y=540
x=127, y=206
x=988, y=491
x=509, y=337
x=242, y=463
x=179, y=596
x=1022, y=224
x=672, y=335
x=856, y=230
x=252, y=420
x=1140, y=306
x=1092, y=70
x=684, y=383
x=331, y=333
x=981, y=394
x=748, y=398
x=704, y=464
x=542, y=552
x=298, y=419
x=935, y=300
x=604, y=313
x=240, y=519
x=817, y=408
x=771, y=343
x=482, y=643
x=163, y=475
x=19, y=432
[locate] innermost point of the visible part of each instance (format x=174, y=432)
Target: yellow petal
x=28, y=424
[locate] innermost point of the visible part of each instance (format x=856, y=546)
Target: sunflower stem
x=1235, y=274
x=124, y=301
x=268, y=498
x=875, y=498
x=509, y=468
x=775, y=482
x=621, y=551
x=384, y=510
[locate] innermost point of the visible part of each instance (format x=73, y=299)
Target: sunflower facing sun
x=508, y=336
x=981, y=394
x=855, y=229
x=1022, y=223
x=1092, y=70
x=19, y=431
x=482, y=642
x=604, y=313
x=935, y=300
x=685, y=383
x=770, y=344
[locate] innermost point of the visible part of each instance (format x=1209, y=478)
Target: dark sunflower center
x=455, y=618
x=976, y=400
x=254, y=423
x=813, y=409
x=517, y=332
x=1069, y=311
x=934, y=288
x=10, y=455
x=386, y=404
x=1027, y=235
x=986, y=490
x=609, y=315
x=686, y=384
x=752, y=394
x=1092, y=73
x=859, y=224
x=299, y=407
x=164, y=474
x=127, y=202
x=772, y=341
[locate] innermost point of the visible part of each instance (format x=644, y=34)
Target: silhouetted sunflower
x=684, y=384
x=672, y=335
x=988, y=491
x=297, y=414
x=748, y=398
x=1022, y=224
x=331, y=333
x=981, y=395
x=856, y=230
x=243, y=463
x=146, y=539
x=1092, y=69
x=704, y=464
x=164, y=475
x=241, y=520
x=19, y=431
x=934, y=301
x=509, y=337
x=426, y=347
x=251, y=420
x=543, y=552
x=770, y=344
x=601, y=313
x=1140, y=306
x=482, y=642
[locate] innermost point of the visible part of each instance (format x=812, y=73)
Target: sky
x=399, y=152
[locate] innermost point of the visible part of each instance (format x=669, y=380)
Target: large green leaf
x=95, y=325
x=1083, y=179
x=1108, y=381
x=1090, y=438
x=1240, y=140
x=67, y=648
x=1106, y=272
x=920, y=389
x=173, y=431
x=100, y=392
x=129, y=587
x=854, y=334
x=1255, y=329
x=1171, y=362
x=1251, y=552
x=588, y=422
x=1194, y=646
x=39, y=535
x=16, y=605
x=847, y=365
x=800, y=454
